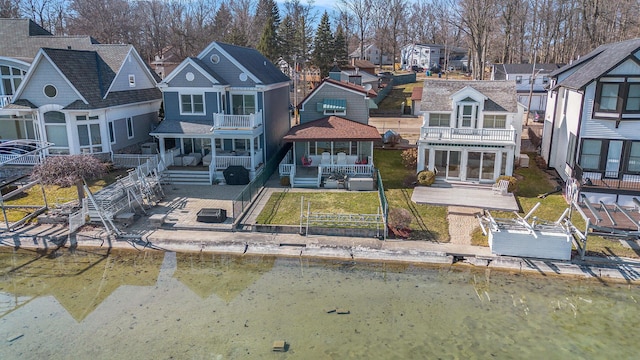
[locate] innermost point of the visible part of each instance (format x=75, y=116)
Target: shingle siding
x=357, y=105
x=227, y=70
x=142, y=125
x=46, y=74
x=199, y=80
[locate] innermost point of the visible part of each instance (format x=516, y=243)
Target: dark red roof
x=332, y=128
x=416, y=93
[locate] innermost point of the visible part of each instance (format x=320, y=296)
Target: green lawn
x=398, y=95
x=55, y=195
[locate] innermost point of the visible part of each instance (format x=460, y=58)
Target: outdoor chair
x=306, y=161
x=342, y=159
x=326, y=158
x=501, y=187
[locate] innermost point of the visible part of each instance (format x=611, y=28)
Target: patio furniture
x=206, y=161
x=306, y=161
x=342, y=159
x=192, y=159
x=501, y=187
x=326, y=158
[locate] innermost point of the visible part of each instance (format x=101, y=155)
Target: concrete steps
x=305, y=183
x=185, y=177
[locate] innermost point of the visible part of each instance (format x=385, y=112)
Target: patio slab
x=476, y=196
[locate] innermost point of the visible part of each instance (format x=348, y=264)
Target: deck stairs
x=305, y=182
x=185, y=177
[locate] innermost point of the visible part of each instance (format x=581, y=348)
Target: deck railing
x=602, y=179
x=227, y=122
x=461, y=134
x=5, y=100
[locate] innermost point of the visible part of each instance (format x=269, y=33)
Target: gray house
x=333, y=135
x=96, y=101
x=229, y=106
x=531, y=82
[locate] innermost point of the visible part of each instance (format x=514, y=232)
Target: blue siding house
x=229, y=106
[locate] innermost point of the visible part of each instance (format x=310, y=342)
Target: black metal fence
x=384, y=204
x=246, y=197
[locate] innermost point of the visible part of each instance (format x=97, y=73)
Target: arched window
x=56, y=130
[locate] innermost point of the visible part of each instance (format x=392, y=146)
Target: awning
x=372, y=104
x=332, y=104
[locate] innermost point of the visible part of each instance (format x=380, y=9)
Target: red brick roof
x=332, y=128
x=351, y=86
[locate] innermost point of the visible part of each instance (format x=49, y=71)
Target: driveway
x=406, y=126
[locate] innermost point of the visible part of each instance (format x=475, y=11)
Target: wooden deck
x=466, y=195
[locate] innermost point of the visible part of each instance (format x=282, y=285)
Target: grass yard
x=55, y=195
x=283, y=208
x=398, y=95
x=533, y=182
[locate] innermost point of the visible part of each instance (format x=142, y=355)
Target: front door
x=480, y=166
x=447, y=163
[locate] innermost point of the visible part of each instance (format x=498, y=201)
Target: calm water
x=148, y=305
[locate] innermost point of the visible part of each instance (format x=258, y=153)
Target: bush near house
x=410, y=158
x=426, y=178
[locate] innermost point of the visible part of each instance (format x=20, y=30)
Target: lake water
x=152, y=305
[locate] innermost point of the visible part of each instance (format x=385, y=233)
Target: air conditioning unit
x=149, y=148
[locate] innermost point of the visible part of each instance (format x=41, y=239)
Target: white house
x=471, y=129
x=432, y=56
x=373, y=54
x=530, y=82
x=591, y=131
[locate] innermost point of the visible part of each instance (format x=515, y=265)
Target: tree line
x=502, y=31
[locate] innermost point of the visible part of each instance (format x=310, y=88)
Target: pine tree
x=221, y=28
x=340, y=47
x=323, y=48
x=268, y=45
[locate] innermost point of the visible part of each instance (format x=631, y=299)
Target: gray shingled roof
x=501, y=70
x=22, y=38
x=597, y=63
x=210, y=71
x=255, y=63
x=436, y=94
x=91, y=75
x=183, y=127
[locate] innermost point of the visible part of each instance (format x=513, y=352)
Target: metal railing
x=462, y=134
x=5, y=100
x=384, y=204
x=133, y=160
x=225, y=121
x=603, y=179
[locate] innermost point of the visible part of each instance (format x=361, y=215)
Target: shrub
x=284, y=181
x=410, y=158
x=426, y=177
x=400, y=218
x=513, y=182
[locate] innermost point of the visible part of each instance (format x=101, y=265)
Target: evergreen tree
x=340, y=47
x=221, y=28
x=287, y=37
x=268, y=45
x=323, y=48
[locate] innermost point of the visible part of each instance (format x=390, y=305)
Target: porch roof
x=332, y=128
x=183, y=127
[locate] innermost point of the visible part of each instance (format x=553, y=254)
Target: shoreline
x=621, y=270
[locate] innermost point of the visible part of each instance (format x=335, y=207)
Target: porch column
x=509, y=168
x=253, y=155
x=420, y=159
x=498, y=165
x=162, y=149
x=432, y=159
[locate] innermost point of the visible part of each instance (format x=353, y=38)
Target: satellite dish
x=367, y=87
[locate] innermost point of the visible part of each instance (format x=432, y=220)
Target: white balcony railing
x=232, y=122
x=456, y=134
x=5, y=100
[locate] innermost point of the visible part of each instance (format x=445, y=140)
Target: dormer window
x=132, y=80
x=467, y=113
x=617, y=96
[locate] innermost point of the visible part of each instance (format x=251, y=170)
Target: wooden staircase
x=305, y=182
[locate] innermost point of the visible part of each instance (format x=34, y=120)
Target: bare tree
x=9, y=8
x=66, y=171
x=362, y=11
x=475, y=18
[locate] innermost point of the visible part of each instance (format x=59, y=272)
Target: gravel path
x=462, y=221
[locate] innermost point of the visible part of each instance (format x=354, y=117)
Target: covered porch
x=328, y=151
x=195, y=152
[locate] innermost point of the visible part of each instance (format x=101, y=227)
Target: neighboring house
x=361, y=66
x=165, y=62
x=354, y=76
x=431, y=56
x=471, y=129
x=229, y=106
x=333, y=136
x=591, y=131
x=84, y=101
x=373, y=54
x=416, y=100
x=20, y=40
x=531, y=84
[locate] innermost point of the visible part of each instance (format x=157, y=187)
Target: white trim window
x=440, y=119
x=130, y=128
x=10, y=77
x=55, y=127
x=89, y=136
x=132, y=80
x=243, y=104
x=112, y=132
x=494, y=121
x=467, y=114
x=192, y=104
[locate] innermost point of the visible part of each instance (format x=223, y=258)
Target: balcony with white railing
x=237, y=122
x=5, y=100
x=223, y=160
x=467, y=135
